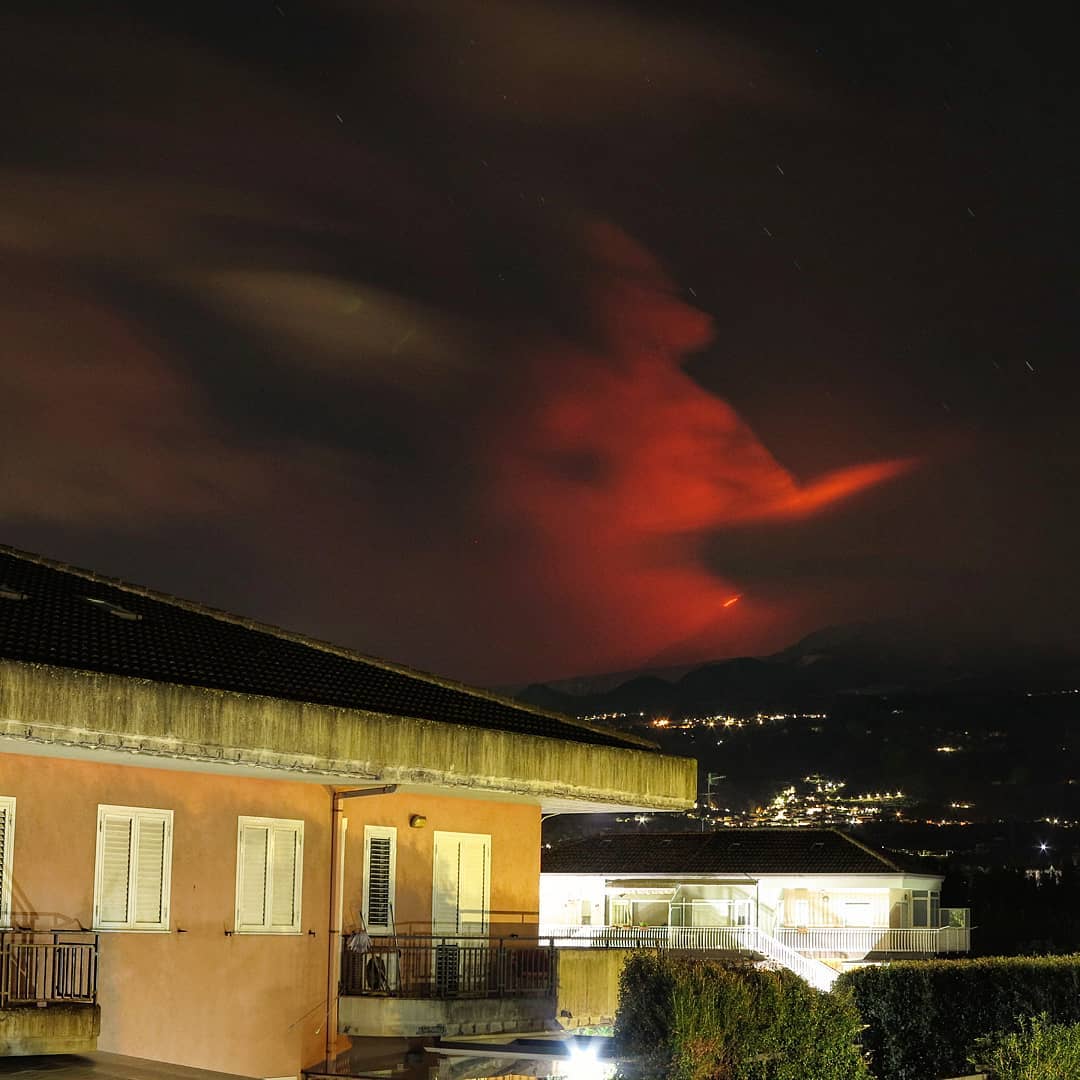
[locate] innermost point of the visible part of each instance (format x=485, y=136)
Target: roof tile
x=54, y=614
x=727, y=851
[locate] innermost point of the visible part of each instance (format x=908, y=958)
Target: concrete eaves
x=65, y=712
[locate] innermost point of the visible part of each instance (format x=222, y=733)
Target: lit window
x=133, y=868
x=269, y=868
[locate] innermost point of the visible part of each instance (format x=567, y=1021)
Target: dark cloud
x=308, y=313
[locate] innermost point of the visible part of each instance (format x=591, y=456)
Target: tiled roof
x=727, y=851
x=55, y=614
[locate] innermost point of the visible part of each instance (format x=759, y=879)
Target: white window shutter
x=149, y=870
x=7, y=838
x=134, y=856
x=269, y=872
x=380, y=862
x=283, y=897
x=444, y=904
x=115, y=869
x=254, y=850
x=462, y=883
x=474, y=884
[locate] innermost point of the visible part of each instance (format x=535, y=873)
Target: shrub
x=927, y=1018
x=1039, y=1050
x=683, y=1018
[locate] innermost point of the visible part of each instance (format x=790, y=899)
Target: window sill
x=267, y=933
x=129, y=930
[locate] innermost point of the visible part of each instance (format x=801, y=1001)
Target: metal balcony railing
x=432, y=966
x=862, y=940
x=48, y=967
x=731, y=938
x=811, y=940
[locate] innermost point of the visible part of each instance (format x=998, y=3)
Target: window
x=7, y=843
x=269, y=866
x=132, y=868
x=925, y=907
x=380, y=866
x=857, y=913
x=462, y=883
x=586, y=913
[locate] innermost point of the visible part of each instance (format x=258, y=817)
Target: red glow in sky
x=622, y=466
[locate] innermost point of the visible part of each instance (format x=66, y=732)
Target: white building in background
x=815, y=900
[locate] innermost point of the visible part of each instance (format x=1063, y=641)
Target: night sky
x=515, y=340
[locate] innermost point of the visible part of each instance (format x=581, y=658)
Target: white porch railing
x=860, y=940
x=645, y=937
x=729, y=938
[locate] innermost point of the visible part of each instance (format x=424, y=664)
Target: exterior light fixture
x=417, y=821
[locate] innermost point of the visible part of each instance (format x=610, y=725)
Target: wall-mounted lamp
x=417, y=821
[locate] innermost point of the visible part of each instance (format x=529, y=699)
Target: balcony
x=858, y=942
x=423, y=984
x=834, y=940
x=723, y=938
x=48, y=992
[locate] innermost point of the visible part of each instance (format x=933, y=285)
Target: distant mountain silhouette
x=887, y=656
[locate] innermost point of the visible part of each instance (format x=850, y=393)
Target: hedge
x=687, y=1018
x=1040, y=1050
x=931, y=1018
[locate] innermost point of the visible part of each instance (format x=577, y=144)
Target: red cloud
x=622, y=465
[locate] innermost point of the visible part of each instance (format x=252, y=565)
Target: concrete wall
x=830, y=907
x=59, y=1029
x=408, y=1018
x=515, y=856
x=247, y=1004
x=565, y=898
x=83, y=711
x=589, y=986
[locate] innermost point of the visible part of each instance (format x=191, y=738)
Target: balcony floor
x=100, y=1066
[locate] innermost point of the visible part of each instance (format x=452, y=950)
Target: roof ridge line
x=869, y=850
x=317, y=643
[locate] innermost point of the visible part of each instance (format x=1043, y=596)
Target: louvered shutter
x=283, y=898
x=380, y=857
x=131, y=885
x=149, y=870
x=115, y=870
x=254, y=848
x=269, y=869
x=7, y=831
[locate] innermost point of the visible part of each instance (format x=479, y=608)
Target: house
x=227, y=846
x=815, y=900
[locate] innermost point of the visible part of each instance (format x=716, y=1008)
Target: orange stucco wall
x=247, y=1004
x=250, y=1004
x=515, y=856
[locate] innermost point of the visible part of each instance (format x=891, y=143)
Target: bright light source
x=1044, y=847
x=583, y=1064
